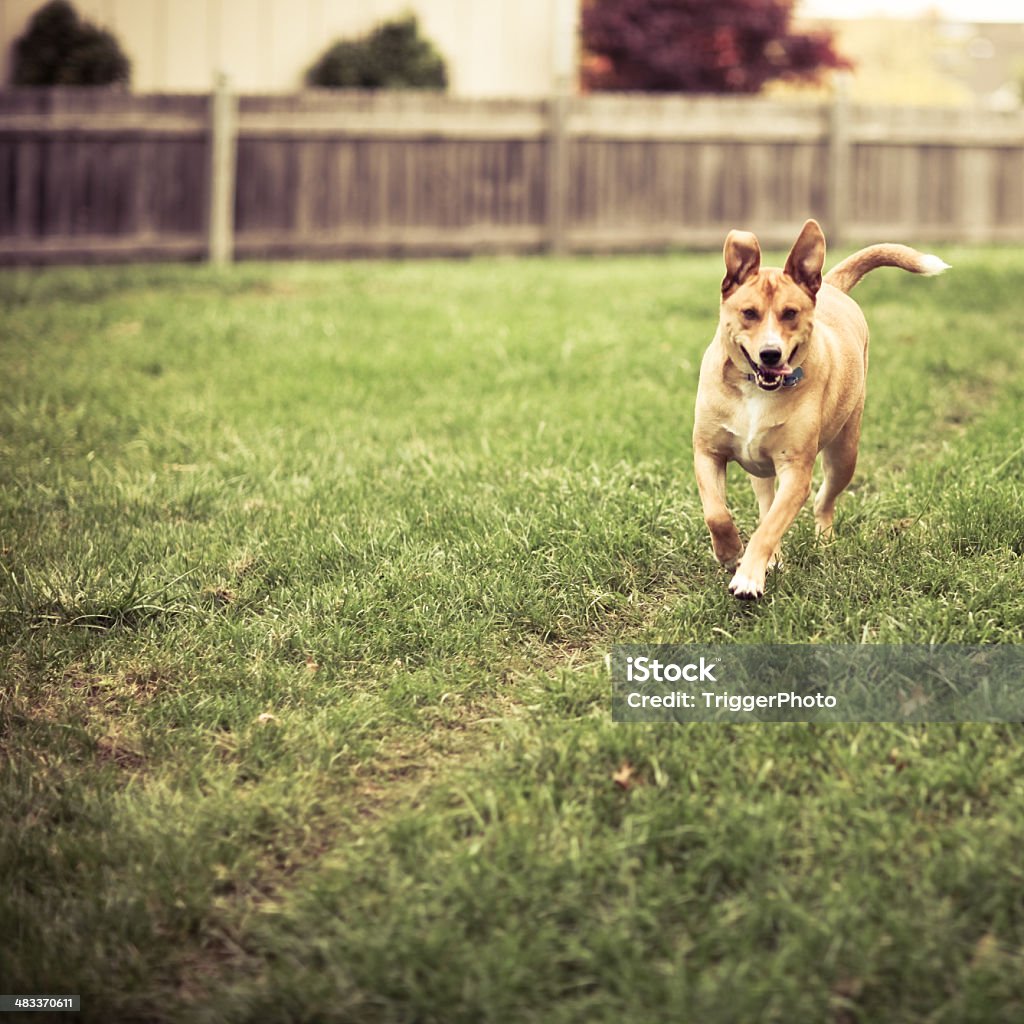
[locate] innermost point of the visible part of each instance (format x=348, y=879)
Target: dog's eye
x=750, y=313
x=788, y=314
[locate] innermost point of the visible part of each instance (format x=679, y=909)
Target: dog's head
x=767, y=316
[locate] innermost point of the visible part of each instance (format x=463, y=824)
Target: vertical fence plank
x=909, y=186
x=557, y=173
x=26, y=189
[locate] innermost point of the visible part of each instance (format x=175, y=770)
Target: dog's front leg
x=794, y=488
x=725, y=539
x=764, y=491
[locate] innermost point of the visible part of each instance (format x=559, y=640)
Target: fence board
x=110, y=175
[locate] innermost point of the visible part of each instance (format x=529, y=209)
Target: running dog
x=784, y=379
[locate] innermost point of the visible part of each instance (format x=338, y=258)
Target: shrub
x=725, y=46
x=393, y=56
x=59, y=48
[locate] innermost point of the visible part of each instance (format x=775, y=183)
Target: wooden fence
x=97, y=175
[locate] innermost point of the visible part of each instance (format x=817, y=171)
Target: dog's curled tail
x=846, y=274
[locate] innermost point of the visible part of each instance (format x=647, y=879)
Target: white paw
x=776, y=561
x=746, y=587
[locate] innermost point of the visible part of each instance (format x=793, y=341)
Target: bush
x=59, y=48
x=393, y=56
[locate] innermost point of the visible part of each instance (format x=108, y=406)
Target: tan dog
x=784, y=379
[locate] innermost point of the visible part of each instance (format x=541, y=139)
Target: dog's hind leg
x=839, y=460
x=764, y=491
x=725, y=539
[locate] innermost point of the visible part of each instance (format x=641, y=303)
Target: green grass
x=307, y=576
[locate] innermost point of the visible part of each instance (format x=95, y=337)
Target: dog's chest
x=752, y=429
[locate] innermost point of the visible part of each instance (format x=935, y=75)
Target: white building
x=492, y=47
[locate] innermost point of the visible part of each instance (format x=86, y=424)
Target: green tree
x=60, y=48
x=393, y=56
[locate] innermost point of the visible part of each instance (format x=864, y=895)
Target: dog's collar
x=789, y=381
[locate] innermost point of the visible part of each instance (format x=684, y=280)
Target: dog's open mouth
x=769, y=378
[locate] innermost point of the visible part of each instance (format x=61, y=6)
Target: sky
x=956, y=10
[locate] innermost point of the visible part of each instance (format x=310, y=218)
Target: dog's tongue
x=776, y=371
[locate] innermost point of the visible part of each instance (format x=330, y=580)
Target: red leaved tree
x=699, y=45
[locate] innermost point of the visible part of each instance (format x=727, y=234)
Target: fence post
x=223, y=139
x=840, y=153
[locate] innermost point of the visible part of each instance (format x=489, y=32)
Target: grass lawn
x=307, y=578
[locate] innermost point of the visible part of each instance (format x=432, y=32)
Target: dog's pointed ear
x=807, y=257
x=742, y=260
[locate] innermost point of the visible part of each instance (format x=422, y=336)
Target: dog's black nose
x=771, y=356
